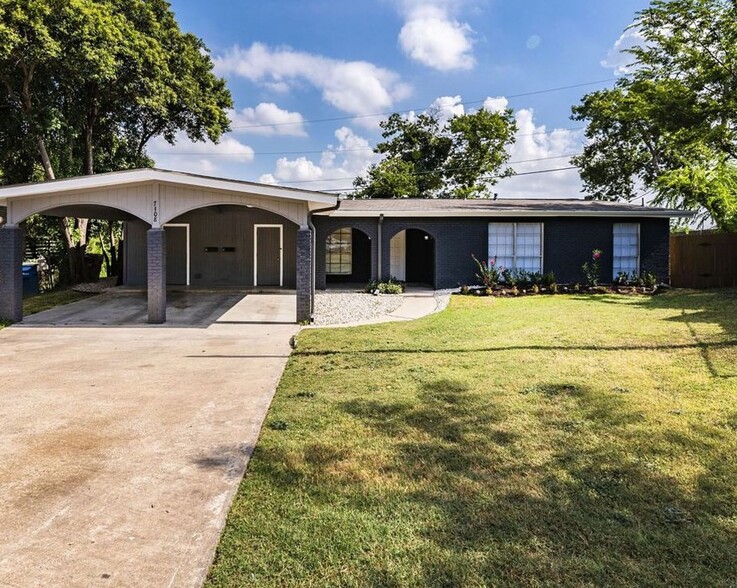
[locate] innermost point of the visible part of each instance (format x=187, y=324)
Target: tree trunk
x=89, y=164
x=45, y=160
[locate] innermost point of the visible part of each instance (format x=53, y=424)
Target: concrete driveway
x=121, y=448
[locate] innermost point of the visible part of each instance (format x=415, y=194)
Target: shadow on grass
x=578, y=498
x=716, y=307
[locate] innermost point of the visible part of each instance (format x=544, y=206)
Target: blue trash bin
x=30, y=279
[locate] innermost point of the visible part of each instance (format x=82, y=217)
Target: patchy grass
x=47, y=300
x=52, y=299
x=572, y=440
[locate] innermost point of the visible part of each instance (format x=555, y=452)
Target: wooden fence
x=703, y=260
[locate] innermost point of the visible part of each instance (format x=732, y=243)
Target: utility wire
x=530, y=173
x=422, y=173
x=234, y=153
x=465, y=102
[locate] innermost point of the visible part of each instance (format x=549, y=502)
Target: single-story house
x=195, y=231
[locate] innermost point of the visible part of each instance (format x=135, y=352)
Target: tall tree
x=425, y=158
x=670, y=126
x=86, y=84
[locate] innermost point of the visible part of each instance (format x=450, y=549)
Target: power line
x=530, y=173
x=320, y=151
x=465, y=102
x=422, y=173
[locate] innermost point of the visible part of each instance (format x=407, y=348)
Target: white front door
x=398, y=256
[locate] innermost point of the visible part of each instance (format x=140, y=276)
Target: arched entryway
x=347, y=257
x=412, y=257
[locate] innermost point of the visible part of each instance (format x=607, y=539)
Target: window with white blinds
x=626, y=253
x=516, y=246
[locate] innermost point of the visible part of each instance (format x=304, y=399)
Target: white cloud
x=196, y=157
x=496, y=104
x=550, y=150
x=337, y=167
x=432, y=37
x=268, y=119
x=296, y=170
x=447, y=107
x=617, y=59
x=356, y=87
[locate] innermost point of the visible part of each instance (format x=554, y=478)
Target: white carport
x=155, y=197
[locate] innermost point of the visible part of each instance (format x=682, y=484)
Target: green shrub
x=548, y=280
x=390, y=288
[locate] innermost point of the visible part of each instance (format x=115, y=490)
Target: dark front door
x=268, y=256
x=420, y=257
x=176, y=255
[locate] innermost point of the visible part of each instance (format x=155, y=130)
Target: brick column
x=156, y=240
x=304, y=275
x=11, y=273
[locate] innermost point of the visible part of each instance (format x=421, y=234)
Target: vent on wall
x=227, y=249
x=212, y=249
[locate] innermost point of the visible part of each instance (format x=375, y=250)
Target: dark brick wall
x=156, y=272
x=655, y=248
x=455, y=240
x=304, y=275
x=567, y=244
x=11, y=275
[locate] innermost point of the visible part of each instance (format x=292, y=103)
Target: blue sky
x=292, y=64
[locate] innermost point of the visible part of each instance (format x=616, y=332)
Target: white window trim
x=514, y=241
x=639, y=247
x=281, y=252
x=186, y=226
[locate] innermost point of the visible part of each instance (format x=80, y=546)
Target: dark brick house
x=185, y=230
x=431, y=241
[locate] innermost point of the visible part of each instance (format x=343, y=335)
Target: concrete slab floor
x=183, y=309
x=121, y=448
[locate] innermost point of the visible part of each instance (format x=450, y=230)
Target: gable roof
x=138, y=176
x=509, y=207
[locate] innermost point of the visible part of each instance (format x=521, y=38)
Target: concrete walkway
x=121, y=448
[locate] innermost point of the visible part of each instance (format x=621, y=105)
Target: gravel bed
x=337, y=308
x=442, y=298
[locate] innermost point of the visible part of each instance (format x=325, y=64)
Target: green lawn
x=47, y=300
x=550, y=440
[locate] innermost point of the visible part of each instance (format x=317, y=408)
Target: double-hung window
x=516, y=246
x=626, y=248
x=339, y=252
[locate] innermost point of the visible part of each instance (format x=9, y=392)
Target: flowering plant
x=591, y=269
x=488, y=273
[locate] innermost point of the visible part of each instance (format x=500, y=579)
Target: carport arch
x=296, y=214
x=245, y=240
x=45, y=209
x=12, y=241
